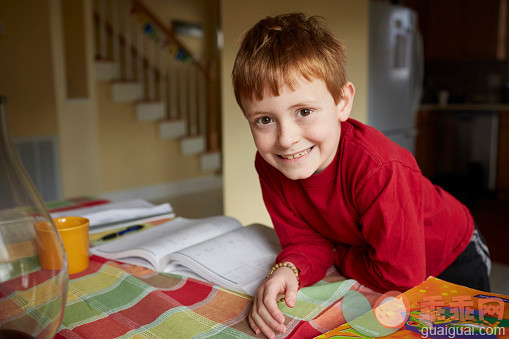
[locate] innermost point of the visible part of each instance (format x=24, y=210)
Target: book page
x=156, y=243
x=115, y=212
x=239, y=260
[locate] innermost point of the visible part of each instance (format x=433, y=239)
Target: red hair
x=279, y=50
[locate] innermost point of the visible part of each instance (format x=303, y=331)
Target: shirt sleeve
x=301, y=245
x=391, y=208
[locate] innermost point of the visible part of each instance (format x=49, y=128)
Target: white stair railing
x=202, y=104
x=193, y=121
x=183, y=93
x=136, y=49
x=140, y=46
x=115, y=19
x=162, y=76
x=172, y=88
x=128, y=42
x=103, y=40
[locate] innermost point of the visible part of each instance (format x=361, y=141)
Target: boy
x=339, y=192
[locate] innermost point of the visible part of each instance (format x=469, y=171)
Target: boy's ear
x=346, y=102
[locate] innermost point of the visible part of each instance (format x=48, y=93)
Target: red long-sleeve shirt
x=370, y=212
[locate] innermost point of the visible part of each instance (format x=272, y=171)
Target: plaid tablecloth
x=111, y=299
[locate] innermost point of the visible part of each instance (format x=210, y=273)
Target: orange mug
x=74, y=234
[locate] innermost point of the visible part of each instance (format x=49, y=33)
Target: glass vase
x=33, y=288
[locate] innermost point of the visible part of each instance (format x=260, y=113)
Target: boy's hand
x=265, y=316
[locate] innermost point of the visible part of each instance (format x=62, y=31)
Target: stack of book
x=104, y=214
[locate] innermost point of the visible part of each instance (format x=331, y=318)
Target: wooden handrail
x=139, y=6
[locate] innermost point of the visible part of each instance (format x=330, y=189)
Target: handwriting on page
x=172, y=236
x=186, y=237
x=216, y=254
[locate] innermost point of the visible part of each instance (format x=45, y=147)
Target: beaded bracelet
x=290, y=266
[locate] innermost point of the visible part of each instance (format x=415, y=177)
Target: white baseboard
x=171, y=189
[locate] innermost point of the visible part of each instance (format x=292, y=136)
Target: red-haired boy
x=339, y=192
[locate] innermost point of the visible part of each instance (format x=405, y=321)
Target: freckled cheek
x=321, y=134
x=264, y=142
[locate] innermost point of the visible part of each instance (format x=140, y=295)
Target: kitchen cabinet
x=503, y=156
x=462, y=29
x=465, y=149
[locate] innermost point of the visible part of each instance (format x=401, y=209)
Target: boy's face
x=298, y=131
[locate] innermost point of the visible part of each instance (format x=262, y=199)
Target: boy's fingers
x=290, y=299
x=253, y=324
x=262, y=325
x=269, y=302
x=271, y=321
x=291, y=293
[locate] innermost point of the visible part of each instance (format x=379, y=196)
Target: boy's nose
x=288, y=135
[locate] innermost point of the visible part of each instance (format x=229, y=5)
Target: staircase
x=146, y=65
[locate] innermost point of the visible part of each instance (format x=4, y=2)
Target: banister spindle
x=115, y=13
x=128, y=41
x=184, y=114
x=212, y=126
x=103, y=38
x=192, y=101
x=173, y=77
x=151, y=59
x=202, y=106
x=162, y=76
x=140, y=39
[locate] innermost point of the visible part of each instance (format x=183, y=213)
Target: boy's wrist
x=288, y=265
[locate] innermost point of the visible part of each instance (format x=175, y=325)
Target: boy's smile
x=298, y=131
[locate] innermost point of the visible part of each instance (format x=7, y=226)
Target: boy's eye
x=304, y=112
x=264, y=120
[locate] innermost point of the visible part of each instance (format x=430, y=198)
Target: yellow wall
x=33, y=77
x=102, y=148
x=77, y=119
x=132, y=154
x=347, y=19
x=26, y=69
x=73, y=19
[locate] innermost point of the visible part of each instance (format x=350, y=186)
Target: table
x=111, y=299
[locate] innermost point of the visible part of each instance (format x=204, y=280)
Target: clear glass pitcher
x=33, y=265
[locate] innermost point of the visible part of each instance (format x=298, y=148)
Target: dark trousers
x=472, y=267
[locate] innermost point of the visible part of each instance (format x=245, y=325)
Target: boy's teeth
x=297, y=155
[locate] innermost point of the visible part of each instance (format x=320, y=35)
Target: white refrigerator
x=395, y=72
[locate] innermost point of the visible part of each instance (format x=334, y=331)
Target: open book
x=217, y=249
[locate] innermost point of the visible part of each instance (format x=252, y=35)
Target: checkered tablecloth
x=111, y=299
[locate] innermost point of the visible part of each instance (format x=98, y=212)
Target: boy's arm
x=391, y=206
x=311, y=253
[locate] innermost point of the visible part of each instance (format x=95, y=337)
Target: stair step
x=124, y=91
x=105, y=70
x=192, y=145
x=210, y=161
x=172, y=129
x=150, y=110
